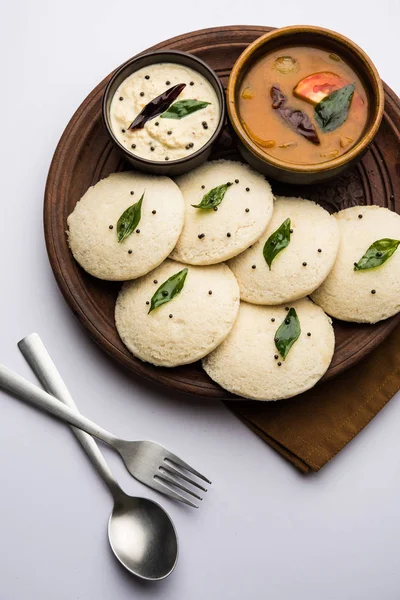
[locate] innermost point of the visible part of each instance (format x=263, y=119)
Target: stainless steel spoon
x=141, y=534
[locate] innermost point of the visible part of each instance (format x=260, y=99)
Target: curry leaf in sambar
x=332, y=111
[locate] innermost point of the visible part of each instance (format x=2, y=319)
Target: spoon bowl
x=143, y=537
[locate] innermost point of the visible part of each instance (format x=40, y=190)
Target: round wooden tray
x=85, y=155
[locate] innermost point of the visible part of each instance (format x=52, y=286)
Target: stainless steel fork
x=149, y=462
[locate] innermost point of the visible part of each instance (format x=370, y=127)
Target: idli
x=228, y=205
x=292, y=258
x=126, y=225
x=248, y=362
x=177, y=314
x=364, y=284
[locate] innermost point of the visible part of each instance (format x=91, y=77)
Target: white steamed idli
x=187, y=327
x=212, y=236
x=247, y=363
x=300, y=267
x=365, y=296
x=92, y=226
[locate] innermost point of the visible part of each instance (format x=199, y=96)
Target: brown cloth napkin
x=310, y=429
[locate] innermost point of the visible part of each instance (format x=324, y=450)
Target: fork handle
x=36, y=354
x=14, y=383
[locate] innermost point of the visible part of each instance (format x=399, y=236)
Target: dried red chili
x=157, y=106
x=297, y=119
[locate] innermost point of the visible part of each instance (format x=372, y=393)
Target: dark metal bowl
x=173, y=167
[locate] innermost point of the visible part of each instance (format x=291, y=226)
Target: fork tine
x=165, y=489
x=172, y=471
x=180, y=463
x=174, y=483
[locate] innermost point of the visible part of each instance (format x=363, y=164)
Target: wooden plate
x=85, y=155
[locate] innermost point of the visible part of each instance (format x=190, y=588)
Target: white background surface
x=264, y=530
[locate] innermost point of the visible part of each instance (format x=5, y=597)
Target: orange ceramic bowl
x=327, y=40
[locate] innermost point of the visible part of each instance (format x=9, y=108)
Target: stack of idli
x=281, y=343
x=124, y=228
x=216, y=268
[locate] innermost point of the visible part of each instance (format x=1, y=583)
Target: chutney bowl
x=181, y=165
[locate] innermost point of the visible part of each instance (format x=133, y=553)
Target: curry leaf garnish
x=277, y=242
x=332, y=111
x=287, y=333
x=156, y=106
x=213, y=198
x=377, y=254
x=183, y=108
x=168, y=290
x=129, y=220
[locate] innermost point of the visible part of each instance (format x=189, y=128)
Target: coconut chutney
x=164, y=137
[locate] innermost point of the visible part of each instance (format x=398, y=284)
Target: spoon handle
x=14, y=383
x=46, y=371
